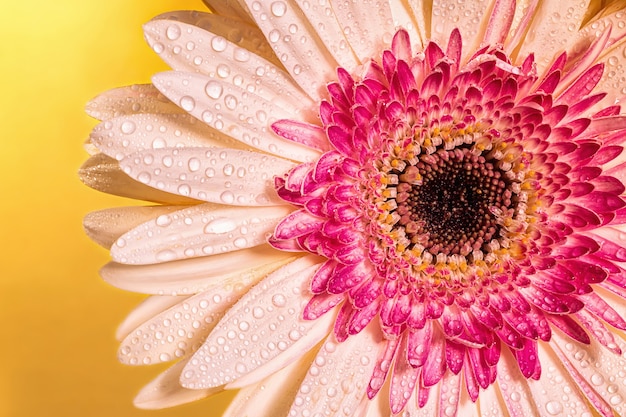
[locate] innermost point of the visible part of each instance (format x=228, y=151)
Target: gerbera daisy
x=374, y=208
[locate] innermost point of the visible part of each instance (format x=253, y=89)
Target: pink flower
x=382, y=208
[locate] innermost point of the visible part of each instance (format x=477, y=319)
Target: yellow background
x=57, y=318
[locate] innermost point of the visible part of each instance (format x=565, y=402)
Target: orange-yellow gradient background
x=57, y=318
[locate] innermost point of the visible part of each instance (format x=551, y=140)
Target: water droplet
x=158, y=48
x=173, y=32
x=214, y=89
x=165, y=357
x=184, y=189
x=220, y=225
x=219, y=44
x=274, y=36
x=194, y=164
x=278, y=8
x=228, y=170
x=223, y=70
x=241, y=55
x=279, y=300
x=554, y=407
x=240, y=242
x=163, y=220
x=187, y=103
x=165, y=255
x=257, y=312
x=128, y=127
x=230, y=101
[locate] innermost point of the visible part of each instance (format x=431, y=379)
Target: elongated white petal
x=231, y=8
x=273, y=396
x=367, y=25
x=122, y=136
x=296, y=43
x=329, y=32
x=103, y=173
x=106, y=226
x=165, y=391
x=246, y=36
x=338, y=377
x=596, y=366
x=551, y=30
x=469, y=17
x=145, y=311
x=490, y=404
x=224, y=176
x=220, y=58
x=181, y=329
x=195, y=275
x=516, y=396
x=200, y=230
x=136, y=99
x=231, y=109
x=264, y=327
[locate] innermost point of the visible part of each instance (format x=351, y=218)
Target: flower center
x=449, y=209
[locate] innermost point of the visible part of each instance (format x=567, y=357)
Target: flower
x=374, y=208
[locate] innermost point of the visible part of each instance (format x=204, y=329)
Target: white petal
x=273, y=396
x=196, y=231
x=231, y=109
x=296, y=44
x=552, y=30
x=469, y=17
x=106, y=226
x=410, y=16
x=490, y=404
x=367, y=25
x=122, y=136
x=165, y=391
x=598, y=367
x=141, y=98
x=232, y=8
x=338, y=377
x=103, y=173
x=180, y=330
x=225, y=176
x=262, y=333
x=555, y=393
x=198, y=274
x=219, y=58
x=243, y=33
x=514, y=388
x=145, y=311
x=330, y=32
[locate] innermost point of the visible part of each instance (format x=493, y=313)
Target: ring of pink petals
x=454, y=312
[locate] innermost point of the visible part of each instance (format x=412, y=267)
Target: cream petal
x=597, y=367
x=165, y=391
x=552, y=30
x=296, y=44
x=122, y=136
x=514, y=388
x=231, y=8
x=225, y=176
x=180, y=330
x=106, y=226
x=145, y=311
x=556, y=393
x=470, y=17
x=196, y=275
x=196, y=231
x=136, y=99
x=490, y=404
x=329, y=32
x=410, y=16
x=229, y=108
x=271, y=397
x=338, y=377
x=242, y=33
x=262, y=331
x=103, y=173
x=225, y=60
x=367, y=25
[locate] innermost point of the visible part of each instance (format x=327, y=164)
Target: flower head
x=403, y=208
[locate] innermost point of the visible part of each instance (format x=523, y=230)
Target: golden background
x=57, y=317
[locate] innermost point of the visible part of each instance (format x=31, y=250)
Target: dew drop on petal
x=187, y=103
x=184, y=189
x=279, y=300
x=278, y=8
x=163, y=220
x=218, y=44
x=220, y=225
x=194, y=164
x=173, y=32
x=213, y=89
x=128, y=127
x=554, y=408
x=165, y=255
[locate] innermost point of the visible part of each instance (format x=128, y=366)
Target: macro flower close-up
x=374, y=208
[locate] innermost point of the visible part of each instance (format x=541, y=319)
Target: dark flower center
x=447, y=200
